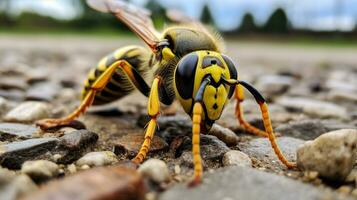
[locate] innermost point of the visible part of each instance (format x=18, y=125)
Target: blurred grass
x=305, y=41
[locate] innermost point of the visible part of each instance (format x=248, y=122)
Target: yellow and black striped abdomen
x=119, y=85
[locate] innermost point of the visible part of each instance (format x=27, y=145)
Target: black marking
x=215, y=106
x=185, y=75
x=211, y=60
x=201, y=89
x=232, y=71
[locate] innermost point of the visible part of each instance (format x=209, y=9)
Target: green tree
x=248, y=24
x=158, y=13
x=206, y=16
x=277, y=22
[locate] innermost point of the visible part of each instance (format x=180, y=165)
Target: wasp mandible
x=187, y=64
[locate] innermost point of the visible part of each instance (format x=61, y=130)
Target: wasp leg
x=97, y=86
x=239, y=95
x=196, y=129
x=267, y=123
x=153, y=108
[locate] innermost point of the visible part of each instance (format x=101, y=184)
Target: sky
x=315, y=15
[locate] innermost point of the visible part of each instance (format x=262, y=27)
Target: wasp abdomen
x=119, y=84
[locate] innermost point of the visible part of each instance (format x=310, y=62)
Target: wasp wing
x=181, y=18
x=136, y=18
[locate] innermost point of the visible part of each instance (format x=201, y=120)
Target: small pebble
x=84, y=167
x=40, y=169
x=28, y=112
x=237, y=158
x=344, y=189
x=156, y=170
x=72, y=168
x=98, y=159
x=177, y=169
x=224, y=134
x=56, y=157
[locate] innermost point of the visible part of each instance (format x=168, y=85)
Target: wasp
x=187, y=64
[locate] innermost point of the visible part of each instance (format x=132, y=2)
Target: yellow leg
x=153, y=111
x=196, y=129
x=271, y=136
x=97, y=86
x=239, y=95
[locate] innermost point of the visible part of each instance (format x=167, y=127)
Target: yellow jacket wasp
x=188, y=65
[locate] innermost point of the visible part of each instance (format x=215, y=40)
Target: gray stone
x=211, y=147
x=12, y=155
x=261, y=150
x=73, y=145
x=5, y=106
x=13, y=187
x=339, y=96
x=243, y=183
x=238, y=158
x=70, y=147
x=305, y=129
x=156, y=170
x=313, y=107
x=13, y=94
x=332, y=155
x=224, y=134
x=28, y=112
x=274, y=84
x=130, y=144
x=43, y=91
x=13, y=82
x=10, y=131
x=100, y=158
x=310, y=129
x=40, y=169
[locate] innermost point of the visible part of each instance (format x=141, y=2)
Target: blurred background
x=331, y=18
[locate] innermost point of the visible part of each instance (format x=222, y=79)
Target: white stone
x=40, y=169
x=97, y=159
x=236, y=158
x=28, y=112
x=332, y=154
x=156, y=170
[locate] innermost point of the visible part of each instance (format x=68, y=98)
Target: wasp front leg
x=153, y=109
x=239, y=95
x=267, y=123
x=98, y=85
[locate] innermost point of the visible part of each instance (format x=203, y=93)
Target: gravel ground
x=312, y=96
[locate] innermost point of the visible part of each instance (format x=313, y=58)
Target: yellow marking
x=91, y=75
x=121, y=51
x=214, y=100
x=167, y=54
x=239, y=92
x=154, y=102
x=102, y=64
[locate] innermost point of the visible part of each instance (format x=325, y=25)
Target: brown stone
x=131, y=144
x=95, y=184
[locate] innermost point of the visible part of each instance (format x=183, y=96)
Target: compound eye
x=185, y=75
x=232, y=71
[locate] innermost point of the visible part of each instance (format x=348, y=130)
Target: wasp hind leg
x=239, y=95
x=153, y=109
x=267, y=123
x=97, y=86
